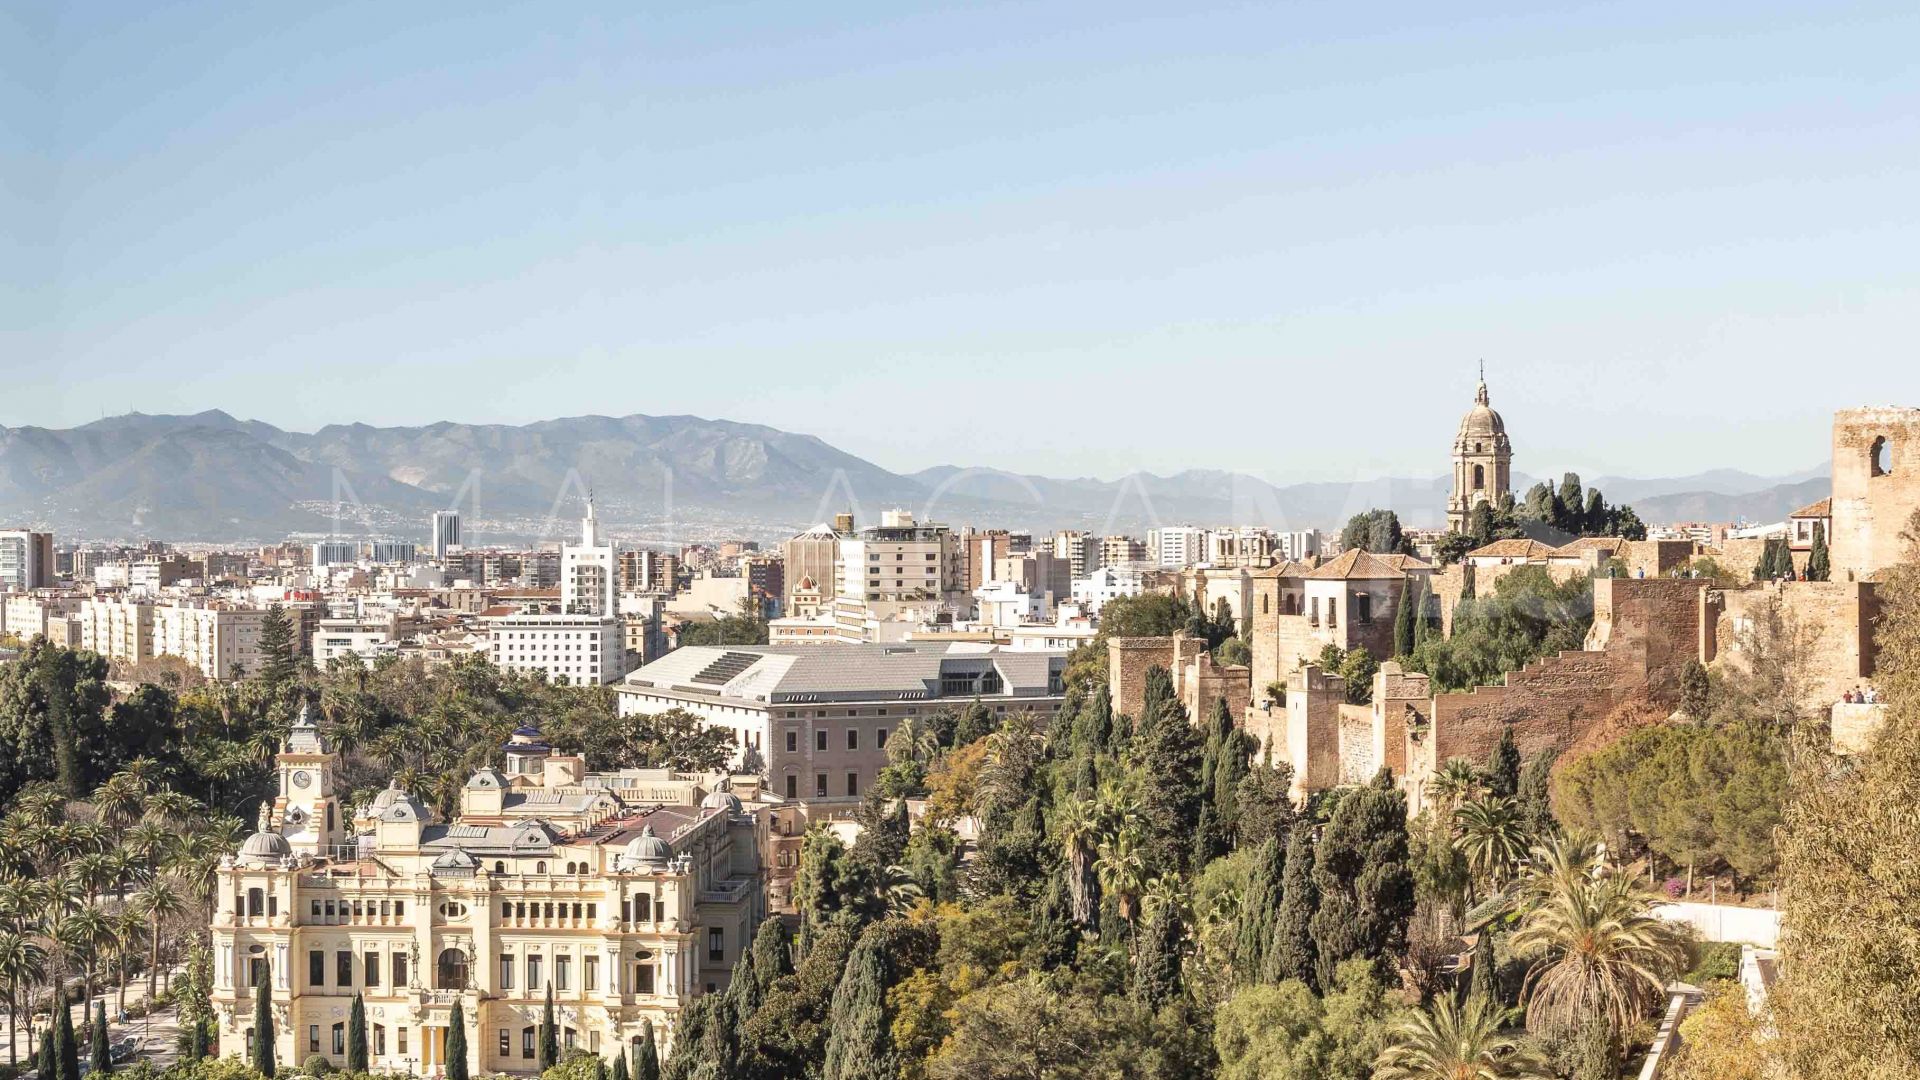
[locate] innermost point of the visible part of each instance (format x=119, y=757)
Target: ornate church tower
x=307, y=809
x=1482, y=459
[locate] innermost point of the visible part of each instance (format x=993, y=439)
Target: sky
x=1064, y=238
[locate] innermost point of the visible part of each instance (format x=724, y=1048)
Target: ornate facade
x=629, y=894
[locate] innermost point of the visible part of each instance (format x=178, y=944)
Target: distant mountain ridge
x=211, y=477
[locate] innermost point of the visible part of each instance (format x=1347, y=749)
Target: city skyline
x=1215, y=241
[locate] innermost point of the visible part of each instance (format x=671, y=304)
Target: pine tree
x=357, y=1035
x=101, y=1050
x=1363, y=878
x=1290, y=955
x=1167, y=748
x=1820, y=562
x=263, y=1027
x=1261, y=910
x=1156, y=964
x=277, y=651
x=456, y=1043
x=549, y=1035
x=1503, y=766
x=646, y=1064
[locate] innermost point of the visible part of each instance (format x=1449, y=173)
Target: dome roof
x=456, y=859
x=488, y=777
x=1481, y=422
x=404, y=807
x=721, y=800
x=266, y=846
x=386, y=797
x=648, y=849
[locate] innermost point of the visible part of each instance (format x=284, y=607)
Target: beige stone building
x=629, y=894
x=1482, y=460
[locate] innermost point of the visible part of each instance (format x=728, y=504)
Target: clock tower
x=307, y=810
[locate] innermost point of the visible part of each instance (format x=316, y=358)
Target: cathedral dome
x=1482, y=425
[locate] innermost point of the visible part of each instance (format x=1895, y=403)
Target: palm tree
x=172, y=809
x=1122, y=869
x=1493, y=836
x=1601, y=953
x=118, y=801
x=1456, y=1043
x=1079, y=832
x=21, y=961
x=1455, y=782
x=1168, y=891
x=896, y=889
x=159, y=901
x=914, y=740
x=82, y=936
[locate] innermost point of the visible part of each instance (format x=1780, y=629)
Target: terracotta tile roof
x=1357, y=564
x=1283, y=570
x=1823, y=508
x=1406, y=564
x=1511, y=549
x=1591, y=543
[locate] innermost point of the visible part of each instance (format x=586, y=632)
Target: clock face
x=302, y=778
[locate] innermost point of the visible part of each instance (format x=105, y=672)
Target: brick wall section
x=1127, y=662
x=1651, y=626
x=1314, y=698
x=1658, y=557
x=1395, y=693
x=1357, y=763
x=1548, y=703
x=1203, y=682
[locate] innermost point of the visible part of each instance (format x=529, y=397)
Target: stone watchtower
x=1482, y=460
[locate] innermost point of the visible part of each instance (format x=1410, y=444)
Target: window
x=526, y=1043
x=256, y=899
x=370, y=969
x=316, y=969
x=452, y=973
x=853, y=738
x=1479, y=476
x=399, y=908
x=820, y=739
x=339, y=1039
x=506, y=1042
x=820, y=785
x=540, y=867
x=563, y=972
x=1332, y=621
x=1365, y=605
x=643, y=978
x=990, y=682
x=1880, y=463
x=380, y=1039
x=590, y=972
x=880, y=738
x=793, y=742
x=1314, y=611
x=343, y=967
x=400, y=973
x=533, y=973
x=716, y=943
x=853, y=783
x=506, y=971
x=313, y=1038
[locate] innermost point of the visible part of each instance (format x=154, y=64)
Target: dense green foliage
x=1377, y=531
x=1529, y=616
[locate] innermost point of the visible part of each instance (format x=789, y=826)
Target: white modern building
x=26, y=560
x=223, y=642
x=446, y=532
x=1107, y=583
x=1177, y=546
x=584, y=644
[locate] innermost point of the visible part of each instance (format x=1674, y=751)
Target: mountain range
x=211, y=477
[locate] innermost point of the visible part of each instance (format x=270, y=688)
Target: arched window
x=1881, y=459
x=256, y=901
x=1479, y=478
x=499, y=867
x=451, y=973
x=540, y=867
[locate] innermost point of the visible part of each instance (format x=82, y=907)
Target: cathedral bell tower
x=307, y=808
x=1482, y=460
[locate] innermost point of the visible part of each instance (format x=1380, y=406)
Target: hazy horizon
x=1048, y=238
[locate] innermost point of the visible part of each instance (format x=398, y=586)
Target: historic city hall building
x=629, y=894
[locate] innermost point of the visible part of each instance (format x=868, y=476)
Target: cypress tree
x=1365, y=883
x=101, y=1051
x=549, y=1035
x=263, y=1027
x=1403, y=622
x=1820, y=562
x=357, y=1035
x=1259, y=914
x=1208, y=842
x=1168, y=750
x=46, y=1060
x=456, y=1042
x=646, y=1065
x=1099, y=721
x=860, y=1040
x=1483, y=984
x=620, y=1067
x=1156, y=965
x=1421, y=627
x=1503, y=766
x=1236, y=754
x=1290, y=955
x=67, y=1046
x=772, y=951
x=599, y=1069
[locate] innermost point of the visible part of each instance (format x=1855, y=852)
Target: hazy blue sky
x=1071, y=238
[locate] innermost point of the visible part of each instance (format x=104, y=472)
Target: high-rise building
x=446, y=532
x=588, y=577
x=1122, y=551
x=335, y=553
x=223, y=642
x=393, y=551
x=26, y=560
x=1080, y=549
x=1177, y=547
x=584, y=643
x=897, y=565
x=809, y=559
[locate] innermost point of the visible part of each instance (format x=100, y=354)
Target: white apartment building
x=117, y=629
x=393, y=551
x=26, y=560
x=900, y=566
x=1107, y=583
x=349, y=637
x=223, y=642
x=335, y=553
x=27, y=617
x=588, y=574
x=1177, y=546
x=585, y=643
x=446, y=532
